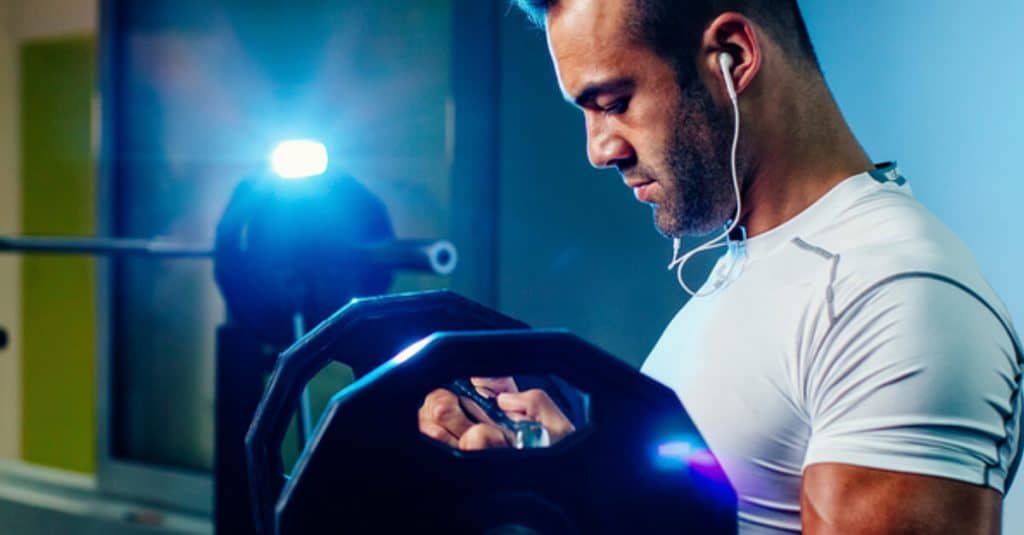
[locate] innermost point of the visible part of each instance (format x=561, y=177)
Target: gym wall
x=46, y=394
x=10, y=266
x=58, y=303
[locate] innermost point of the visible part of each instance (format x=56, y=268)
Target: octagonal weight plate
x=363, y=334
x=640, y=466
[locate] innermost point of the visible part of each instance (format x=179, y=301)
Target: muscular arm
x=849, y=500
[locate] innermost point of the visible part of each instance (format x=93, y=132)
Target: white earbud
x=726, y=62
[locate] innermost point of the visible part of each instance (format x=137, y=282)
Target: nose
x=607, y=148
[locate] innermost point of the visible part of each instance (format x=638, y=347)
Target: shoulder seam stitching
x=833, y=272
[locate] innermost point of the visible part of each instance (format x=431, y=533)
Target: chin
x=672, y=226
x=667, y=226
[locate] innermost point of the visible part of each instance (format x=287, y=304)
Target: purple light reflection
x=691, y=455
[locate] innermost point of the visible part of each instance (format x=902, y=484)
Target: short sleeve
x=918, y=376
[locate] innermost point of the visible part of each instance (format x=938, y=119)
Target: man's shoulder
x=889, y=236
x=883, y=221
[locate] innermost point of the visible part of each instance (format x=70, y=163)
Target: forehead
x=590, y=42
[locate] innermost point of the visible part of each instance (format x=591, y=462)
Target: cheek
x=656, y=112
x=655, y=132
x=652, y=147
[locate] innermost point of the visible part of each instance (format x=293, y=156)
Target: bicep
x=851, y=500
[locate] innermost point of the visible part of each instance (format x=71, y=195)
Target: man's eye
x=617, y=107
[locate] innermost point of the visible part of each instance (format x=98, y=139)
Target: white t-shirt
x=858, y=332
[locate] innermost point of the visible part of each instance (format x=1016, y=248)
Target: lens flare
x=299, y=158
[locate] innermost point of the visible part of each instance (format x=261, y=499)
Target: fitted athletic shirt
x=860, y=332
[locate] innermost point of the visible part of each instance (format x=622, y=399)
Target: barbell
x=284, y=248
x=635, y=464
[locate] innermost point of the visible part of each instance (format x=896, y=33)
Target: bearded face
x=699, y=196
x=659, y=126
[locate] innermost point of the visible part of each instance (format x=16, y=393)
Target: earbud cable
x=678, y=263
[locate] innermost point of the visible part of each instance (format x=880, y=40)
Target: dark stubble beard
x=699, y=195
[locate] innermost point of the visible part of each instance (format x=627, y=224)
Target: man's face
x=665, y=135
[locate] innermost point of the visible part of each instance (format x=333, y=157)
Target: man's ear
x=735, y=34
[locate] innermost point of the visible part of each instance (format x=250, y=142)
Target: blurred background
x=138, y=119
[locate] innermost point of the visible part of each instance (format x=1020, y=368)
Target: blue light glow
x=684, y=453
x=678, y=450
x=299, y=158
x=674, y=454
x=688, y=457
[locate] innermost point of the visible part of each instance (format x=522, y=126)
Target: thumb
x=536, y=405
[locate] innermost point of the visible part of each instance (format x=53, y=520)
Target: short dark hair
x=673, y=28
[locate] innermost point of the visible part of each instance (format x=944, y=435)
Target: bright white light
x=412, y=350
x=299, y=158
x=677, y=450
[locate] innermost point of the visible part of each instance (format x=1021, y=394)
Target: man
x=846, y=361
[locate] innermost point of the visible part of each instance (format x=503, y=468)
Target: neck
x=806, y=148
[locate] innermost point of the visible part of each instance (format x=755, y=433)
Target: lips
x=643, y=191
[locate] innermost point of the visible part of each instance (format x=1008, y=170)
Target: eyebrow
x=591, y=91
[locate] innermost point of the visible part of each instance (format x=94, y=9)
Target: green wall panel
x=58, y=298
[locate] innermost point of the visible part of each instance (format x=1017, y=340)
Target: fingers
x=441, y=409
x=475, y=411
x=482, y=437
x=488, y=387
x=443, y=418
x=536, y=405
x=439, y=434
x=492, y=386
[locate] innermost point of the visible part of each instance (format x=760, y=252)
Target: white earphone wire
x=678, y=263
